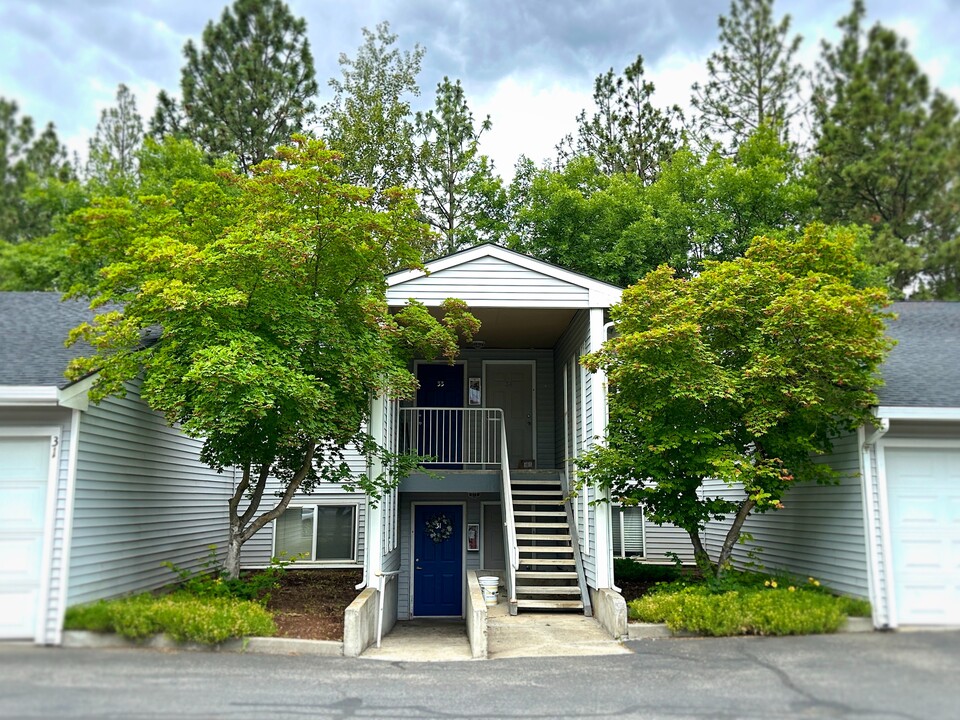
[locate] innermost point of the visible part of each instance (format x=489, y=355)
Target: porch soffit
x=520, y=328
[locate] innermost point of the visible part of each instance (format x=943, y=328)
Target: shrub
x=750, y=610
x=628, y=569
x=184, y=617
x=210, y=583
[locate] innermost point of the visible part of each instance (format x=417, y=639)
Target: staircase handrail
x=513, y=551
x=575, y=544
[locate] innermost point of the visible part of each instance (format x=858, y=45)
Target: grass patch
x=746, y=604
x=185, y=618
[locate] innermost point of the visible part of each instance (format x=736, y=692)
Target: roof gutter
x=918, y=413
x=28, y=395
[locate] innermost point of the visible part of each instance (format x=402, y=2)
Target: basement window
x=317, y=533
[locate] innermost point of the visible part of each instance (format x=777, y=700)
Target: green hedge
x=764, y=610
x=185, y=618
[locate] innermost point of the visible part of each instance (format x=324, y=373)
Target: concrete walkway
x=523, y=635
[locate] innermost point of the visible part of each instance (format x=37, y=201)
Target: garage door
x=923, y=486
x=24, y=476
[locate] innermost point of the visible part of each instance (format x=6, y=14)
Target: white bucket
x=489, y=586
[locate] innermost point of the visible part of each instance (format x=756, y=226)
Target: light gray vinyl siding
x=819, y=533
x=663, y=541
x=491, y=282
x=59, y=418
x=142, y=497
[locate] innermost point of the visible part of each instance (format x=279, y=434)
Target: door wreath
x=439, y=528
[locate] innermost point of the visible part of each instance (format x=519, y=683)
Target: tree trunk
x=733, y=534
x=700, y=554
x=231, y=565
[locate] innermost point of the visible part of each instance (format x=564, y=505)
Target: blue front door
x=438, y=560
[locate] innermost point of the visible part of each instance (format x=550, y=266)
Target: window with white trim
x=627, y=531
x=317, y=533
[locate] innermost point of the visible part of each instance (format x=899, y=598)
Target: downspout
x=877, y=556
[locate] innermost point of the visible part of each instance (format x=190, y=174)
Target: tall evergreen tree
x=462, y=198
x=369, y=120
x=168, y=119
x=626, y=133
x=888, y=156
x=250, y=85
x=116, y=141
x=753, y=77
x=28, y=160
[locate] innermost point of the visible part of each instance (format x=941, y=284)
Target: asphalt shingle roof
x=923, y=370
x=33, y=328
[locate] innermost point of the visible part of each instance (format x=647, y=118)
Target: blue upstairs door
x=439, y=434
x=438, y=560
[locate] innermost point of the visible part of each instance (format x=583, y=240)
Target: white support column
x=373, y=542
x=604, y=546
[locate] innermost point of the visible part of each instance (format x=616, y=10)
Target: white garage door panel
x=923, y=486
x=24, y=476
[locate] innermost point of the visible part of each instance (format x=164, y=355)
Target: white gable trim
x=601, y=294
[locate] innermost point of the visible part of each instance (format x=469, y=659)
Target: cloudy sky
x=529, y=64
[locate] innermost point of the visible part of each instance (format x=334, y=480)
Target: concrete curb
x=263, y=645
x=644, y=631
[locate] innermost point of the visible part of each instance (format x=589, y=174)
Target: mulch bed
x=309, y=604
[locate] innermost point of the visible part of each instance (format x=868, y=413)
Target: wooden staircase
x=549, y=576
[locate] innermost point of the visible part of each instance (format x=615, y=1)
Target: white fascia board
x=76, y=396
x=601, y=294
x=28, y=395
x=919, y=413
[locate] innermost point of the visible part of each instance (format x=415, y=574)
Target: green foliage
x=270, y=293
x=113, y=149
x=212, y=582
x=626, y=134
x=743, y=374
x=627, y=569
x=743, y=609
x=616, y=229
x=29, y=162
x=888, y=156
x=753, y=78
x=369, y=120
x=461, y=197
x=185, y=618
x=251, y=83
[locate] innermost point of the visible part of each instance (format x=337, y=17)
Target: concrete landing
x=546, y=634
x=523, y=635
x=423, y=640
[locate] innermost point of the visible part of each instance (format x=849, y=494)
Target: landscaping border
x=644, y=631
x=263, y=645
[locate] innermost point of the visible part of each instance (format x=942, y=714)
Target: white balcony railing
x=466, y=437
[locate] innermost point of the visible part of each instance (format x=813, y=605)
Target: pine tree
x=250, y=85
x=114, y=146
x=753, y=77
x=626, y=133
x=888, y=156
x=462, y=198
